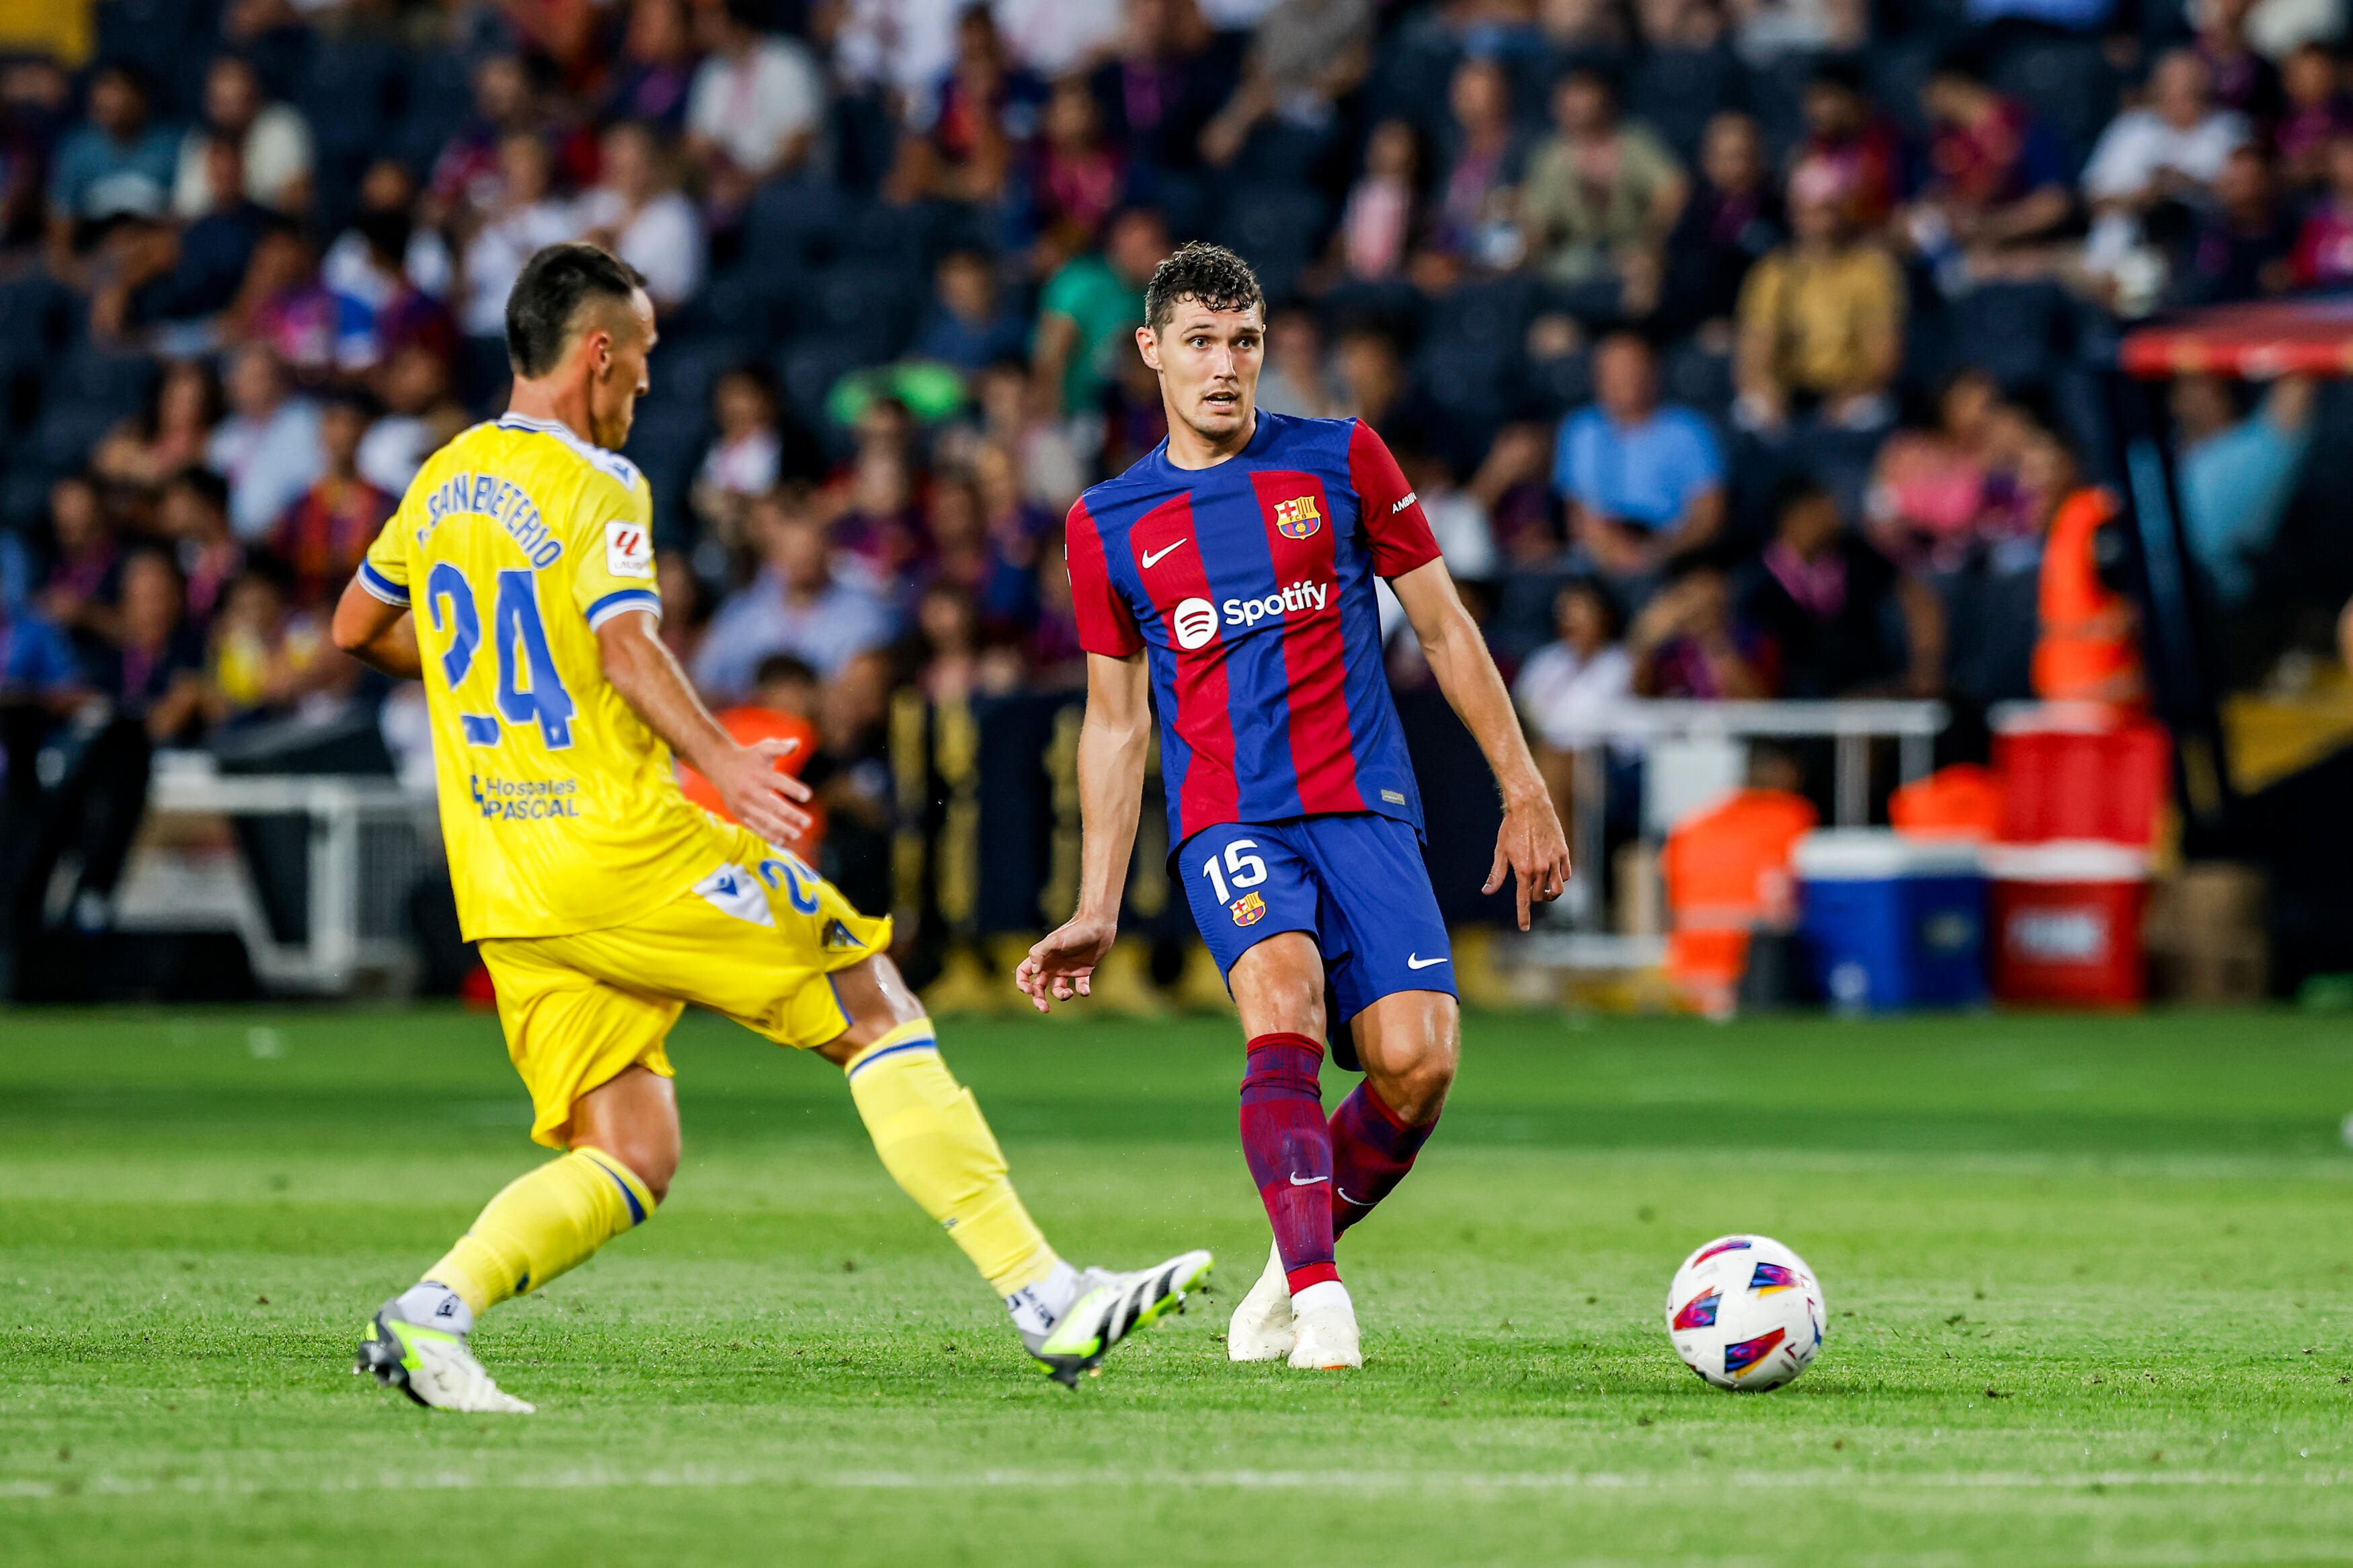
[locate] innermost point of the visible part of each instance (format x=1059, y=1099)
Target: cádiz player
x=517, y=580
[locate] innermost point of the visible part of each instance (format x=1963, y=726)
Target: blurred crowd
x=1738, y=348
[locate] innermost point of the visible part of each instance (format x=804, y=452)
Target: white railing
x=369, y=841
x=1579, y=942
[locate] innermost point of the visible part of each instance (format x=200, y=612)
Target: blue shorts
x=1355, y=883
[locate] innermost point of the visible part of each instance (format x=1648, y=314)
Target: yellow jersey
x=561, y=809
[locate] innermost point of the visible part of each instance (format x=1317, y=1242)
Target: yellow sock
x=545, y=1222
x=929, y=1132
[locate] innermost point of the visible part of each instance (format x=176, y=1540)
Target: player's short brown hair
x=543, y=308
x=1208, y=274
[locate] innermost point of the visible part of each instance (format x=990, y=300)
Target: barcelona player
x=1227, y=577
x=517, y=580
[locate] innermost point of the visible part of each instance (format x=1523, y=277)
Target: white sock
x=1322, y=1294
x=435, y=1306
x=1035, y=1309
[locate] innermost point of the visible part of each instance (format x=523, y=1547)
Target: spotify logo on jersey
x=1196, y=621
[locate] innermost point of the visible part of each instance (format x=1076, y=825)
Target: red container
x=2072, y=771
x=2066, y=927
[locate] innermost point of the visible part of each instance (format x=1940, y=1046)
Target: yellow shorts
x=753, y=939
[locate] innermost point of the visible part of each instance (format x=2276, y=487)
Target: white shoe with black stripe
x=1109, y=1308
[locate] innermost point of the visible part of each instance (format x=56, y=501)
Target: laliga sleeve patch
x=629, y=549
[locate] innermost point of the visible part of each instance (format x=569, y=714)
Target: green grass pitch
x=2088, y=1281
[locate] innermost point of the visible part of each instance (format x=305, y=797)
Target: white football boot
x=1110, y=1307
x=1326, y=1330
x=431, y=1364
x=1262, y=1328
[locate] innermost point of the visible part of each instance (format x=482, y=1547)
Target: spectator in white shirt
x=420, y=417
x=745, y=457
x=903, y=46
x=796, y=605
x=1051, y=38
x=385, y=227
x=529, y=216
x=1570, y=687
x=2170, y=150
x=637, y=213
x=756, y=106
x=267, y=448
x=273, y=137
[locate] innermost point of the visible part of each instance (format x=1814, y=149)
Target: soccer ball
x=1745, y=1312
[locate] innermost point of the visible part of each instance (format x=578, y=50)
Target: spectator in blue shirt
x=37, y=661
x=969, y=325
x=2237, y=475
x=2077, y=15
x=1644, y=482
x=41, y=684
x=118, y=165
x=795, y=605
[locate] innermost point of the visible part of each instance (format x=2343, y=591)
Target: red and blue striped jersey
x=1249, y=587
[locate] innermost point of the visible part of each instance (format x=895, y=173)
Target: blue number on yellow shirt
x=793, y=868
x=446, y=585
x=514, y=620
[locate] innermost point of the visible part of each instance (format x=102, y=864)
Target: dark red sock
x=1289, y=1148
x=1371, y=1153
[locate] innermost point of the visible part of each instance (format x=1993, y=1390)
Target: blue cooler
x=1894, y=923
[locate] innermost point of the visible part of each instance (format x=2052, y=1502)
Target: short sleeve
x=384, y=570
x=1760, y=295
x=1881, y=300
x=706, y=100
x=1563, y=460
x=1061, y=294
x=615, y=572
x=1706, y=457
x=1106, y=621
x=1394, y=525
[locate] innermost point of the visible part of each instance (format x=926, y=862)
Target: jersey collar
x=1251, y=449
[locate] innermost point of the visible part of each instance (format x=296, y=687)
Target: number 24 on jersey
x=528, y=688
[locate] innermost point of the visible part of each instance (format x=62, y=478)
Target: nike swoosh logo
x=1414, y=961
x=1347, y=1199
x=1152, y=557
x=1299, y=1181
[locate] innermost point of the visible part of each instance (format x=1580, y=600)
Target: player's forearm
x=1111, y=799
x=382, y=636
x=395, y=653
x=648, y=679
x=1466, y=673
x=1474, y=689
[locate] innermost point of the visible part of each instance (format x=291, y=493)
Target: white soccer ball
x=1745, y=1312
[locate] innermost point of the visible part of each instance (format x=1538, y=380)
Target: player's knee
x=652, y=1159
x=1419, y=1087
x=876, y=1000
x=659, y=1168
x=1412, y=1070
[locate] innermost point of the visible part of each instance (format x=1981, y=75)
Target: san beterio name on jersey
x=505, y=503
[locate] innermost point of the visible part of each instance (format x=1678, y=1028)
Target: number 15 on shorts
x=1241, y=870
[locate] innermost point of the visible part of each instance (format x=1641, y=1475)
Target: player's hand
x=1062, y=965
x=1531, y=848
x=756, y=794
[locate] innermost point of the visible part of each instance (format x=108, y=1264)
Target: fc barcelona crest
x=1297, y=518
x=1248, y=910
